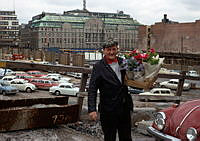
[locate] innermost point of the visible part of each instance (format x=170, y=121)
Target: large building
x=9, y=29
x=179, y=43
x=79, y=29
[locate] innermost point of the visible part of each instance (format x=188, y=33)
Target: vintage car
x=192, y=73
x=64, y=89
x=8, y=79
x=159, y=92
x=23, y=85
x=24, y=76
x=135, y=90
x=173, y=84
x=36, y=73
x=6, y=89
x=179, y=122
x=43, y=83
x=166, y=71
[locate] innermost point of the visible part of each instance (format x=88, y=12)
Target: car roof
x=18, y=80
x=9, y=76
x=65, y=84
x=174, y=80
x=159, y=89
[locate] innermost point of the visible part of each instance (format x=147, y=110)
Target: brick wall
x=175, y=38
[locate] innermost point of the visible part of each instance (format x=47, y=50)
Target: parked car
x=192, y=73
x=180, y=122
x=78, y=75
x=166, y=71
x=64, y=89
x=24, y=76
x=19, y=72
x=36, y=73
x=6, y=89
x=135, y=90
x=8, y=79
x=23, y=85
x=42, y=83
x=159, y=92
x=52, y=76
x=5, y=72
x=173, y=84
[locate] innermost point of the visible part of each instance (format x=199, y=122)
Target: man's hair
x=110, y=43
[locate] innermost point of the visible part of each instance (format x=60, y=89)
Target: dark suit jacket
x=114, y=95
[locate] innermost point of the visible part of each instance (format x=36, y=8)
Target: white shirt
x=115, y=67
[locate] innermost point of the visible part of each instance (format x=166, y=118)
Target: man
x=115, y=102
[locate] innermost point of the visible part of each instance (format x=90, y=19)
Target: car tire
x=28, y=90
x=4, y=92
x=57, y=92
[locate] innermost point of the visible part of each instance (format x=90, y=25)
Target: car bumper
x=161, y=135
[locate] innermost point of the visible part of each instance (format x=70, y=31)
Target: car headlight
x=160, y=123
x=160, y=120
x=160, y=115
x=191, y=134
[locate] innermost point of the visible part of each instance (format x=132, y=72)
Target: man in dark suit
x=115, y=102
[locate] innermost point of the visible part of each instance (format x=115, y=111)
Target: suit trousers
x=116, y=123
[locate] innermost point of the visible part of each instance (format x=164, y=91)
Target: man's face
x=111, y=52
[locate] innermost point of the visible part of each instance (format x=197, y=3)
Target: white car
x=23, y=85
x=173, y=84
x=53, y=76
x=166, y=71
x=192, y=73
x=8, y=79
x=159, y=92
x=6, y=72
x=64, y=89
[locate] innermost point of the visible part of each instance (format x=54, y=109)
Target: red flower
x=138, y=56
x=152, y=50
x=144, y=56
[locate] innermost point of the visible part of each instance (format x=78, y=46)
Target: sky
x=147, y=12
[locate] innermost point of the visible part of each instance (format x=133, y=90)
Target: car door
x=171, y=85
x=14, y=84
x=62, y=89
x=69, y=90
x=21, y=85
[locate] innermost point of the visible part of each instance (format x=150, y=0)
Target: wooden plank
x=8, y=103
x=45, y=67
x=28, y=117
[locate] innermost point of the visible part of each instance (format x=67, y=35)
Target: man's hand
x=93, y=116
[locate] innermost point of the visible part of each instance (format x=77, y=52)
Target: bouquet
x=141, y=66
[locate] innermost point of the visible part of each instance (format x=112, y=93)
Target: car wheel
x=28, y=90
x=57, y=93
x=4, y=92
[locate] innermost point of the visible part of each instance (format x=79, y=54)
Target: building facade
x=9, y=29
x=179, y=43
x=80, y=29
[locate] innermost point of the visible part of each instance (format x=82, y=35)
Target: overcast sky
x=144, y=11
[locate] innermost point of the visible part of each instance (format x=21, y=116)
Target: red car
x=42, y=83
x=36, y=73
x=24, y=76
x=180, y=122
